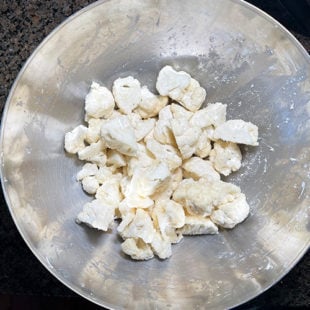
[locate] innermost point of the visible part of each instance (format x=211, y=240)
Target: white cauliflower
x=93, y=130
x=164, y=153
x=163, y=133
x=168, y=80
x=94, y=153
x=214, y=114
x=119, y=135
x=192, y=97
x=200, y=197
x=97, y=214
x=165, y=113
x=90, y=184
x=225, y=157
x=186, y=136
x=150, y=104
x=137, y=249
x=160, y=246
x=198, y=225
x=203, y=146
x=87, y=170
x=75, y=139
x=141, y=126
x=140, y=227
x=230, y=214
x=109, y=192
x=179, y=112
x=198, y=168
x=237, y=131
x=115, y=159
x=127, y=94
x=99, y=102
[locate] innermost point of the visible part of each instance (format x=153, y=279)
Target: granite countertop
x=23, y=280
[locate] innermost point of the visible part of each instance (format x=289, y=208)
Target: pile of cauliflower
x=155, y=162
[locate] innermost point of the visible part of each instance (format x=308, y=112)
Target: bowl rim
x=44, y=262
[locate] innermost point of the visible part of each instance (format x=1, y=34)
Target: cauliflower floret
x=200, y=197
x=186, y=136
x=115, y=159
x=127, y=93
x=99, y=102
x=214, y=114
x=163, y=133
x=165, y=113
x=97, y=214
x=168, y=80
x=74, y=140
x=93, y=130
x=179, y=112
x=143, y=159
x=90, y=184
x=164, y=153
x=167, y=216
x=237, y=131
x=197, y=168
x=198, y=225
x=150, y=104
x=192, y=97
x=109, y=192
x=225, y=157
x=203, y=146
x=230, y=214
x=140, y=227
x=160, y=246
x=140, y=126
x=119, y=135
x=87, y=170
x=94, y=153
x=137, y=249
x=105, y=173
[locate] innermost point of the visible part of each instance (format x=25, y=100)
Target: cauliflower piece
x=203, y=146
x=192, y=97
x=200, y=197
x=74, y=140
x=179, y=112
x=197, y=168
x=137, y=249
x=105, y=173
x=140, y=227
x=140, y=126
x=160, y=246
x=214, y=114
x=165, y=113
x=109, y=192
x=230, y=214
x=186, y=136
x=99, y=102
x=94, y=153
x=90, y=184
x=119, y=135
x=163, y=133
x=225, y=157
x=87, y=170
x=97, y=214
x=115, y=159
x=168, y=80
x=127, y=93
x=150, y=104
x=237, y=131
x=198, y=225
x=143, y=159
x=93, y=130
x=164, y=153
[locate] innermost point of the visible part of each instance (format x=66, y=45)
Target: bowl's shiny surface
x=244, y=59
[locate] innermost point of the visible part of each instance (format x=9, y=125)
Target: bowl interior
x=244, y=59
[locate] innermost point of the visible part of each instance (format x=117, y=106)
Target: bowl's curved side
x=245, y=59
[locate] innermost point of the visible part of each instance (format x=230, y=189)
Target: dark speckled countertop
x=24, y=282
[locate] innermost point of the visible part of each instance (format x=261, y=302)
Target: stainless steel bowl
x=245, y=59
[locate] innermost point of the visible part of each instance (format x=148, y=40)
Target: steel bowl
x=243, y=58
